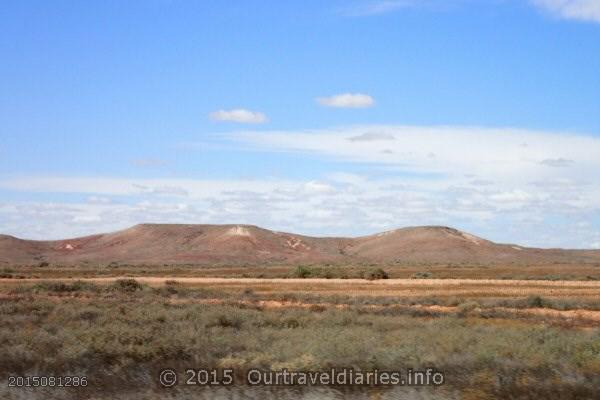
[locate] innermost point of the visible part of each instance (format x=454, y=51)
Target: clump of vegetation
x=535, y=301
x=375, y=273
x=64, y=287
x=127, y=285
x=302, y=272
x=422, y=275
x=7, y=273
x=330, y=272
x=466, y=308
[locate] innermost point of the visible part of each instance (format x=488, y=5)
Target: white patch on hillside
x=238, y=231
x=471, y=238
x=297, y=244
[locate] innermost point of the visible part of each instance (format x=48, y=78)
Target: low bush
x=64, y=287
x=302, y=272
x=376, y=273
x=535, y=301
x=422, y=275
x=127, y=285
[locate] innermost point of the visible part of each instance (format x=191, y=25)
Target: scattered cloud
x=557, y=162
x=162, y=190
x=132, y=187
x=98, y=199
x=583, y=10
x=481, y=182
x=239, y=115
x=148, y=162
x=380, y=7
x=371, y=137
x=319, y=187
x=86, y=219
x=347, y=100
x=494, y=153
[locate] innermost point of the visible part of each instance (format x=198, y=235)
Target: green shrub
x=422, y=275
x=535, y=301
x=62, y=287
x=302, y=272
x=127, y=285
x=226, y=321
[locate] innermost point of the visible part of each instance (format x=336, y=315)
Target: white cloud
x=148, y=162
x=318, y=187
x=584, y=10
x=378, y=7
x=496, y=154
x=370, y=137
x=133, y=187
x=239, y=115
x=86, y=219
x=557, y=162
x=347, y=100
x=98, y=199
x=162, y=190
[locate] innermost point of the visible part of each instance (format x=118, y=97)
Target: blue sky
x=319, y=117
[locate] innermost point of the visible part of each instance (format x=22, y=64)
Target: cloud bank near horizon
x=507, y=185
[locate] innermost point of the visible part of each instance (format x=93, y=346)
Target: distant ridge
x=159, y=244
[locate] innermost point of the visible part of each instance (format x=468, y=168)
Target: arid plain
x=500, y=321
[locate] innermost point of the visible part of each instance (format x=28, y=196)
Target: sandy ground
x=383, y=287
x=158, y=280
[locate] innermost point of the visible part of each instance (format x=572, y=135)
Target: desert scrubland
x=490, y=338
